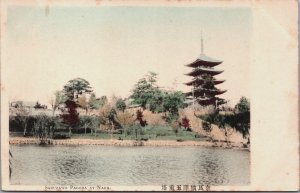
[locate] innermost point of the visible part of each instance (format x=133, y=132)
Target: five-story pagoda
x=203, y=83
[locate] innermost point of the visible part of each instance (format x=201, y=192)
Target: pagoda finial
x=201, y=43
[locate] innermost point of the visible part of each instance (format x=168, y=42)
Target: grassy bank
x=128, y=143
x=146, y=133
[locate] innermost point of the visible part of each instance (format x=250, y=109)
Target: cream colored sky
x=113, y=47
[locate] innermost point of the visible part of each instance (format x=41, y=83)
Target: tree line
x=112, y=114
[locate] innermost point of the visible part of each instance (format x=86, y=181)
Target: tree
x=151, y=78
x=120, y=105
x=45, y=127
x=95, y=124
x=41, y=126
x=94, y=103
x=22, y=115
x=71, y=117
x=103, y=101
x=147, y=94
x=73, y=90
x=76, y=87
x=58, y=100
x=241, y=119
x=156, y=101
x=86, y=121
x=126, y=119
x=173, y=101
x=243, y=105
x=54, y=124
x=142, y=93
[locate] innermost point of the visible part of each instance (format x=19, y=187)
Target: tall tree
x=243, y=105
x=152, y=78
x=76, y=87
x=241, y=120
x=148, y=95
x=145, y=93
x=142, y=93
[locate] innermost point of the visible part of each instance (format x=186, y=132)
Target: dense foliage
x=154, y=105
x=76, y=87
x=121, y=105
x=148, y=95
x=173, y=101
x=185, y=123
x=238, y=120
x=94, y=102
x=71, y=117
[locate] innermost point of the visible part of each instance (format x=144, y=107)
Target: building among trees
x=204, y=91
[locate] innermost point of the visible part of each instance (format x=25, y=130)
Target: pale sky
x=113, y=47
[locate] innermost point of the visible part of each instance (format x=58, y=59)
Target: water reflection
x=70, y=166
x=90, y=165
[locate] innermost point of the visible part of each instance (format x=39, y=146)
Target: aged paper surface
x=112, y=44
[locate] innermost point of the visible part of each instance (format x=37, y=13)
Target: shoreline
x=129, y=143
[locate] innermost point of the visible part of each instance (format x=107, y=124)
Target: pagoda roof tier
x=210, y=101
x=203, y=70
x=203, y=103
x=201, y=81
x=211, y=92
x=204, y=60
x=206, y=98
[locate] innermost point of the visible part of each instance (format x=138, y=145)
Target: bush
x=120, y=105
x=169, y=117
x=206, y=126
x=126, y=118
x=16, y=126
x=154, y=118
x=186, y=123
x=60, y=136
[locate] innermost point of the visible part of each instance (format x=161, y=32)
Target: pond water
x=110, y=165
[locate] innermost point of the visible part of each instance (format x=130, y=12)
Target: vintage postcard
x=149, y=95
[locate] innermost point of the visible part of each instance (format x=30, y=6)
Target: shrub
x=155, y=119
x=140, y=118
x=126, y=118
x=185, y=123
x=120, y=105
x=169, y=117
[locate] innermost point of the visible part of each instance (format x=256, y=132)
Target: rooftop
x=205, y=58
